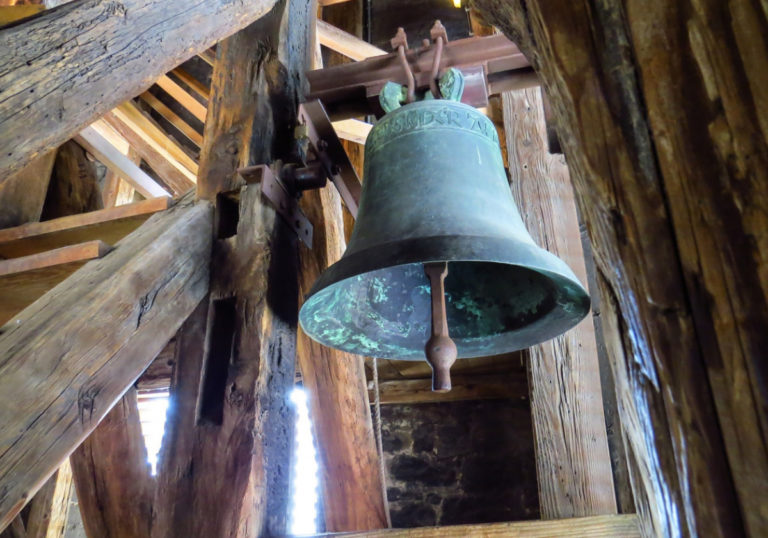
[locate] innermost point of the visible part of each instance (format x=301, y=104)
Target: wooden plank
x=59, y=256
x=465, y=387
x=344, y=43
x=181, y=95
x=669, y=155
x=109, y=225
x=617, y=526
x=240, y=485
x=23, y=194
x=111, y=474
x=174, y=119
x=49, y=508
x=145, y=127
x=353, y=496
x=198, y=87
x=110, y=157
x=352, y=130
x=573, y=464
x=65, y=68
x=69, y=356
x=74, y=186
x=173, y=173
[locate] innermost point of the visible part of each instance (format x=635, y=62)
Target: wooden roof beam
x=115, y=315
x=46, y=96
x=346, y=44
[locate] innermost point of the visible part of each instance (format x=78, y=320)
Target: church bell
x=439, y=256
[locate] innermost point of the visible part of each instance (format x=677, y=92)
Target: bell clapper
x=440, y=350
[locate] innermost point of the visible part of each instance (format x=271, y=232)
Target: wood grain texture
x=349, y=463
x=225, y=469
x=573, y=463
x=658, y=108
x=48, y=509
x=616, y=526
x=60, y=369
x=111, y=475
x=67, y=67
x=23, y=194
x=464, y=387
x=108, y=225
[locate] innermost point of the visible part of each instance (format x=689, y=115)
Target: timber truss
x=135, y=292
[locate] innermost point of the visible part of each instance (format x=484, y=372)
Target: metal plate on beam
x=286, y=205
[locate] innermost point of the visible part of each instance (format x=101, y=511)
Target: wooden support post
x=111, y=474
x=23, y=194
x=658, y=110
x=572, y=459
x=353, y=496
x=225, y=468
x=73, y=187
x=69, y=356
x=48, y=509
x=47, y=95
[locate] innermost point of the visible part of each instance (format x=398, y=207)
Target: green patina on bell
x=435, y=190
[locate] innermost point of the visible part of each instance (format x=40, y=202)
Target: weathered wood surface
x=660, y=109
x=617, y=526
x=73, y=187
x=23, y=194
x=464, y=387
x=63, y=69
x=111, y=475
x=573, y=464
x=46, y=514
x=68, y=357
x=72, y=253
x=225, y=467
x=350, y=475
x=108, y=225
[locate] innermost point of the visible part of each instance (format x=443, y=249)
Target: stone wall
x=460, y=462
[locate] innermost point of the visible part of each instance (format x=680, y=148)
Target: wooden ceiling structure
x=172, y=259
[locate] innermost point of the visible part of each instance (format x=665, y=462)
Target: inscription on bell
x=402, y=122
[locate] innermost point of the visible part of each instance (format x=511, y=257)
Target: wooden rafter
x=46, y=74
x=344, y=43
x=105, y=152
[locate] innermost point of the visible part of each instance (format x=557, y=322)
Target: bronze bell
x=435, y=198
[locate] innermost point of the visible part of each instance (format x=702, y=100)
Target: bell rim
x=479, y=249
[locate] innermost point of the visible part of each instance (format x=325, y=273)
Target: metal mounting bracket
x=286, y=205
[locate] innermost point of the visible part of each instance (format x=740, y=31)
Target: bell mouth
x=377, y=302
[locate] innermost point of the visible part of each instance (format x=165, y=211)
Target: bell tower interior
x=383, y=268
